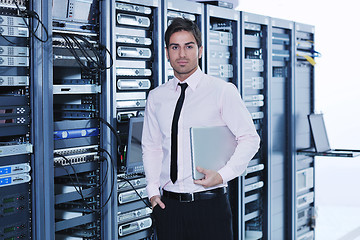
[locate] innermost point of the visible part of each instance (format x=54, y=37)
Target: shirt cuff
x=152, y=190
x=227, y=174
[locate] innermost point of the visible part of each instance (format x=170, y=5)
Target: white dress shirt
x=208, y=102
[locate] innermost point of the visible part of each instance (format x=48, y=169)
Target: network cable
x=113, y=130
x=7, y=39
x=79, y=191
x=77, y=44
x=119, y=143
x=112, y=174
x=137, y=193
x=105, y=177
x=27, y=13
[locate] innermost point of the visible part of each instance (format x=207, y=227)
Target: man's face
x=183, y=53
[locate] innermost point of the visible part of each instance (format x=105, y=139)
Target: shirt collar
x=193, y=80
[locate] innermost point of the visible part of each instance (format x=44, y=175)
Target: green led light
x=8, y=200
x=9, y=210
x=9, y=229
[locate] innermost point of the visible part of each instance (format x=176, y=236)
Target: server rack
x=133, y=218
x=16, y=128
x=303, y=166
x=136, y=56
x=78, y=60
x=108, y=137
x=280, y=127
x=222, y=56
x=254, y=91
x=192, y=11
x=137, y=53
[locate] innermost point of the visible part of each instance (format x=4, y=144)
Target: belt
x=191, y=197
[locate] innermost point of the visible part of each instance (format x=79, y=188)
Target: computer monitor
x=134, y=163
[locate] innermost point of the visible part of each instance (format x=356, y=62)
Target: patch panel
x=76, y=159
x=77, y=150
x=21, y=3
x=60, y=42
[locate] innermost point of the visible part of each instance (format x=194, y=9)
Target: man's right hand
x=156, y=200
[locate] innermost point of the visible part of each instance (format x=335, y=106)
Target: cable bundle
x=32, y=14
x=82, y=49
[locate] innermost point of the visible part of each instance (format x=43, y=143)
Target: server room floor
x=337, y=198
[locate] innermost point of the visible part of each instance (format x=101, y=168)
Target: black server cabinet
x=133, y=219
x=137, y=67
x=16, y=128
x=280, y=85
x=108, y=137
x=137, y=53
x=191, y=10
x=222, y=57
x=303, y=166
x=254, y=91
x=78, y=61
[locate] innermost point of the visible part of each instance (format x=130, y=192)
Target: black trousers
x=202, y=219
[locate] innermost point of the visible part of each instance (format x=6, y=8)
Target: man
x=184, y=208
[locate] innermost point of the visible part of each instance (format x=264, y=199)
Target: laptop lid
x=211, y=148
x=319, y=133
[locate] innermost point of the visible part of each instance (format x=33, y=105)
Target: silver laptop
x=211, y=148
x=321, y=140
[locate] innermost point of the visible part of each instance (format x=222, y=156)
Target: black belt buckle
x=188, y=197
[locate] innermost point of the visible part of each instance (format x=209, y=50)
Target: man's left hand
x=211, y=178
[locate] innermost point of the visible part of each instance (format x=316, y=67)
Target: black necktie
x=174, y=133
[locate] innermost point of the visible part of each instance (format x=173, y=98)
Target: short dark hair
x=183, y=24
